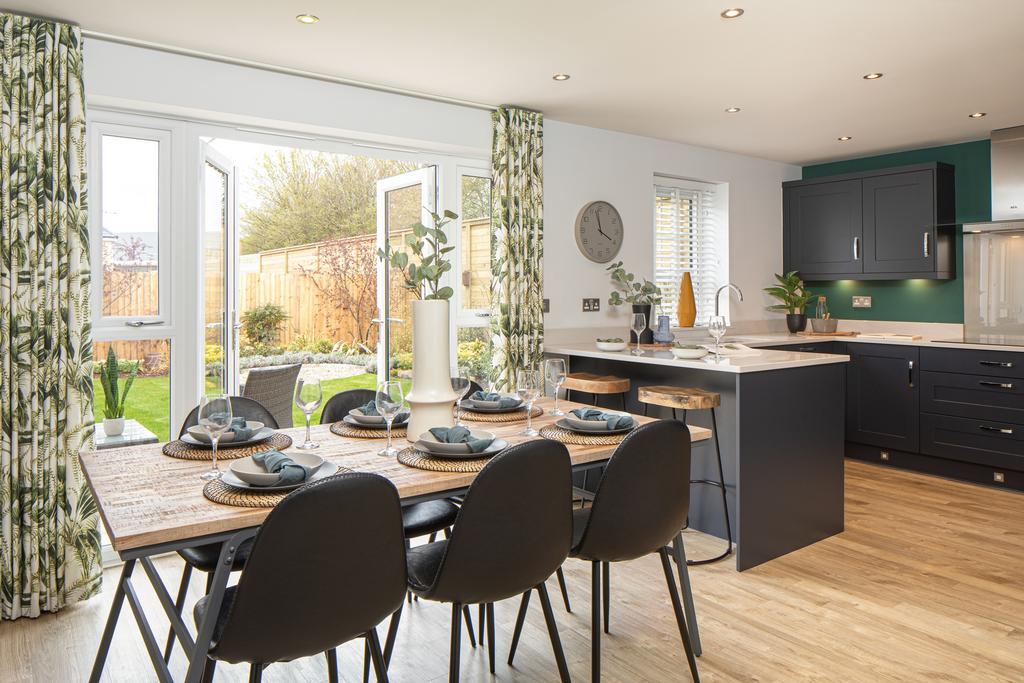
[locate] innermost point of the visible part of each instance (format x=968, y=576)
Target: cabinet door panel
x=825, y=220
x=899, y=223
x=882, y=396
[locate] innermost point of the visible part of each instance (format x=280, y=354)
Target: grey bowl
x=826, y=325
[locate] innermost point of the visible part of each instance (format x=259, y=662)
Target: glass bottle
x=822, y=309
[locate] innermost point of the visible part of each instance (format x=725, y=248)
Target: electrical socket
x=861, y=301
x=591, y=305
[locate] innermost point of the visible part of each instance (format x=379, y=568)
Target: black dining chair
x=622, y=524
x=204, y=558
x=513, y=531
x=301, y=593
x=337, y=406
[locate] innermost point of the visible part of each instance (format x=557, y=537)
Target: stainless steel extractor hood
x=1007, y=183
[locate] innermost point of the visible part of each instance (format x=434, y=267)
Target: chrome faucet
x=731, y=286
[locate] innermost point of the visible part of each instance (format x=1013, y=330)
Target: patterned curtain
x=49, y=534
x=517, y=251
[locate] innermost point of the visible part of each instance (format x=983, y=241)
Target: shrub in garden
x=262, y=324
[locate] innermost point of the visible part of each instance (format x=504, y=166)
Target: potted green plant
x=643, y=295
x=422, y=262
x=114, y=400
x=793, y=297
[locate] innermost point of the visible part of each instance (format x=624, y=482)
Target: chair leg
x=431, y=538
x=622, y=399
x=679, y=551
x=467, y=615
x=565, y=591
x=556, y=642
x=179, y=605
x=490, y=635
x=453, y=657
x=209, y=667
x=255, y=673
x=332, y=665
x=389, y=643
x=645, y=410
x=595, y=622
x=481, y=616
x=380, y=667
x=677, y=607
x=520, y=619
x=606, y=588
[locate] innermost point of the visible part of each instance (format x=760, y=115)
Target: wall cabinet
x=892, y=224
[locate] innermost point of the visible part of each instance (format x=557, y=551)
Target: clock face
x=599, y=231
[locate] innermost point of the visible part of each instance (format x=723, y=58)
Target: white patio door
x=218, y=268
x=402, y=201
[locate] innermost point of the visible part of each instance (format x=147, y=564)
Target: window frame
x=465, y=316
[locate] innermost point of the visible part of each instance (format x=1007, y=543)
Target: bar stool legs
x=720, y=484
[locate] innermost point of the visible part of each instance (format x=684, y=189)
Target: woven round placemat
x=517, y=415
x=181, y=450
x=422, y=461
x=575, y=439
x=219, y=492
x=345, y=429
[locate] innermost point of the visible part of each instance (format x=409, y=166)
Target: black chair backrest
x=473, y=388
x=514, y=528
x=327, y=565
x=643, y=498
x=240, y=407
x=338, y=405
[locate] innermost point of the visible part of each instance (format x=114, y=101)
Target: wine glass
x=308, y=395
x=555, y=370
x=460, y=385
x=716, y=327
x=638, y=326
x=215, y=419
x=389, y=401
x=528, y=387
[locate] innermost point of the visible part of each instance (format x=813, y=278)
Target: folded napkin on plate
x=288, y=471
x=613, y=420
x=460, y=435
x=492, y=397
x=241, y=432
x=370, y=410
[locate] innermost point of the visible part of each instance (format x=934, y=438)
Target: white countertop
x=778, y=339
x=767, y=359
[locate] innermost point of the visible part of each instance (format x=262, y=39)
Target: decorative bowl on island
x=688, y=351
x=613, y=344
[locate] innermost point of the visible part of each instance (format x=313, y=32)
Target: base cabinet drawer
x=983, y=397
x=985, y=442
x=972, y=362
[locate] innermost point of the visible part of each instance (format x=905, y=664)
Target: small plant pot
x=114, y=426
x=796, y=322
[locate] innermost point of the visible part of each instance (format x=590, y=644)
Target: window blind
x=684, y=240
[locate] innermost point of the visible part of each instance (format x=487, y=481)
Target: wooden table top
x=146, y=498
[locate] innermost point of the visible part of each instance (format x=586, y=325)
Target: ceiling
x=662, y=68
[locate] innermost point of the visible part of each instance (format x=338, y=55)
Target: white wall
x=583, y=164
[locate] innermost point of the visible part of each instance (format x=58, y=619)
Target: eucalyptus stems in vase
x=643, y=295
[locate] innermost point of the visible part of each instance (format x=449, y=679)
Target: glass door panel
x=219, y=324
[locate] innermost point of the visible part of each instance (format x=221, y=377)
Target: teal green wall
x=940, y=301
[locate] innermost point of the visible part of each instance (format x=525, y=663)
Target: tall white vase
x=431, y=397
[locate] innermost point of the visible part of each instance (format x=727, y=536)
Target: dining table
x=152, y=504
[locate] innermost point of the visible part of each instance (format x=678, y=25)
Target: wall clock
x=599, y=231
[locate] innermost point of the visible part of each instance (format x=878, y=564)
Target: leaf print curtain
x=49, y=534
x=517, y=252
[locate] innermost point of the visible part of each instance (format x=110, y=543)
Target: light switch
x=862, y=302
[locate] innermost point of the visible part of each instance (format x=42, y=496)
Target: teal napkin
x=613, y=420
x=288, y=471
x=490, y=396
x=241, y=432
x=460, y=435
x=370, y=410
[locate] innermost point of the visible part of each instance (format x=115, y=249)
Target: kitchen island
x=781, y=429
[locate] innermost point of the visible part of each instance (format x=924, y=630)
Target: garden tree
x=307, y=196
x=124, y=274
x=345, y=273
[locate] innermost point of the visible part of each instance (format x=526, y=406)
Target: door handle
x=378, y=321
x=856, y=249
x=142, y=323
x=996, y=363
x=910, y=374
x=1001, y=430
x=1001, y=385
x=927, y=235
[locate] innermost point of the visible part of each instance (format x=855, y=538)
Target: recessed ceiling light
x=873, y=76
x=732, y=13
x=732, y=110
x=307, y=18
x=844, y=138
x=561, y=77
x=977, y=115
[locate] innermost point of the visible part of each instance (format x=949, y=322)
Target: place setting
x=264, y=479
x=219, y=434
x=370, y=422
x=496, y=407
x=590, y=427
x=452, y=449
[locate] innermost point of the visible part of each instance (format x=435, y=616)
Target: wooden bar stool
x=690, y=398
x=597, y=385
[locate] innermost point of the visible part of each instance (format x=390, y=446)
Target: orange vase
x=686, y=309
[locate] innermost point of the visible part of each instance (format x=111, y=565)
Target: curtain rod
x=235, y=61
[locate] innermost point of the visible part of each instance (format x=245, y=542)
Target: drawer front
x=811, y=347
x=985, y=442
x=971, y=362
x=982, y=397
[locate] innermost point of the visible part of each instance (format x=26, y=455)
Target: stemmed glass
x=528, y=388
x=308, y=395
x=460, y=385
x=555, y=371
x=638, y=326
x=215, y=419
x=389, y=401
x=716, y=328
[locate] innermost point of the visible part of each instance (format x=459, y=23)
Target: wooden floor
x=926, y=584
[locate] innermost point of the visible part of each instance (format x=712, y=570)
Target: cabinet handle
x=925, y=244
x=1001, y=385
x=910, y=374
x=996, y=363
x=856, y=249
x=1001, y=430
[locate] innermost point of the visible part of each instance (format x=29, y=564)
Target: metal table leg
x=108, y=630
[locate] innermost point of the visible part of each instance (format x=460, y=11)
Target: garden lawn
x=150, y=397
